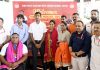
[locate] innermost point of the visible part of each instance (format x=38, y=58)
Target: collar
x=39, y=22
x=21, y=27
x=81, y=32
x=97, y=37
x=18, y=25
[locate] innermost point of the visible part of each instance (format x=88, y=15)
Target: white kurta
x=3, y=35
x=95, y=53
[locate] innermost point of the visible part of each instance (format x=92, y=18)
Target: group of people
x=69, y=45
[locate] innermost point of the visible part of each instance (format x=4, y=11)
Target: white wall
x=7, y=14
x=85, y=8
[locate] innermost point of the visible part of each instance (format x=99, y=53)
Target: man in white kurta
x=95, y=50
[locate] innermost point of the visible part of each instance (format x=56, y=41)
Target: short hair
x=80, y=21
x=1, y=19
x=75, y=14
x=15, y=34
x=52, y=21
x=63, y=16
x=38, y=13
x=20, y=16
x=64, y=23
x=95, y=10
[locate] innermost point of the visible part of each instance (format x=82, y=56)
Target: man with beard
x=95, y=45
x=94, y=18
x=63, y=19
x=72, y=26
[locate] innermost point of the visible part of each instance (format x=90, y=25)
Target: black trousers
x=35, y=54
x=62, y=68
x=20, y=67
x=52, y=65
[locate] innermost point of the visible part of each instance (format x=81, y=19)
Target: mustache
x=95, y=30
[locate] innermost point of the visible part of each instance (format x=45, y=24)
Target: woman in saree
x=62, y=56
x=51, y=45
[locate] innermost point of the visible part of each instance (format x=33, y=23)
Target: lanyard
x=15, y=51
x=80, y=37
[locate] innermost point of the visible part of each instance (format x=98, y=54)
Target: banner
x=49, y=10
